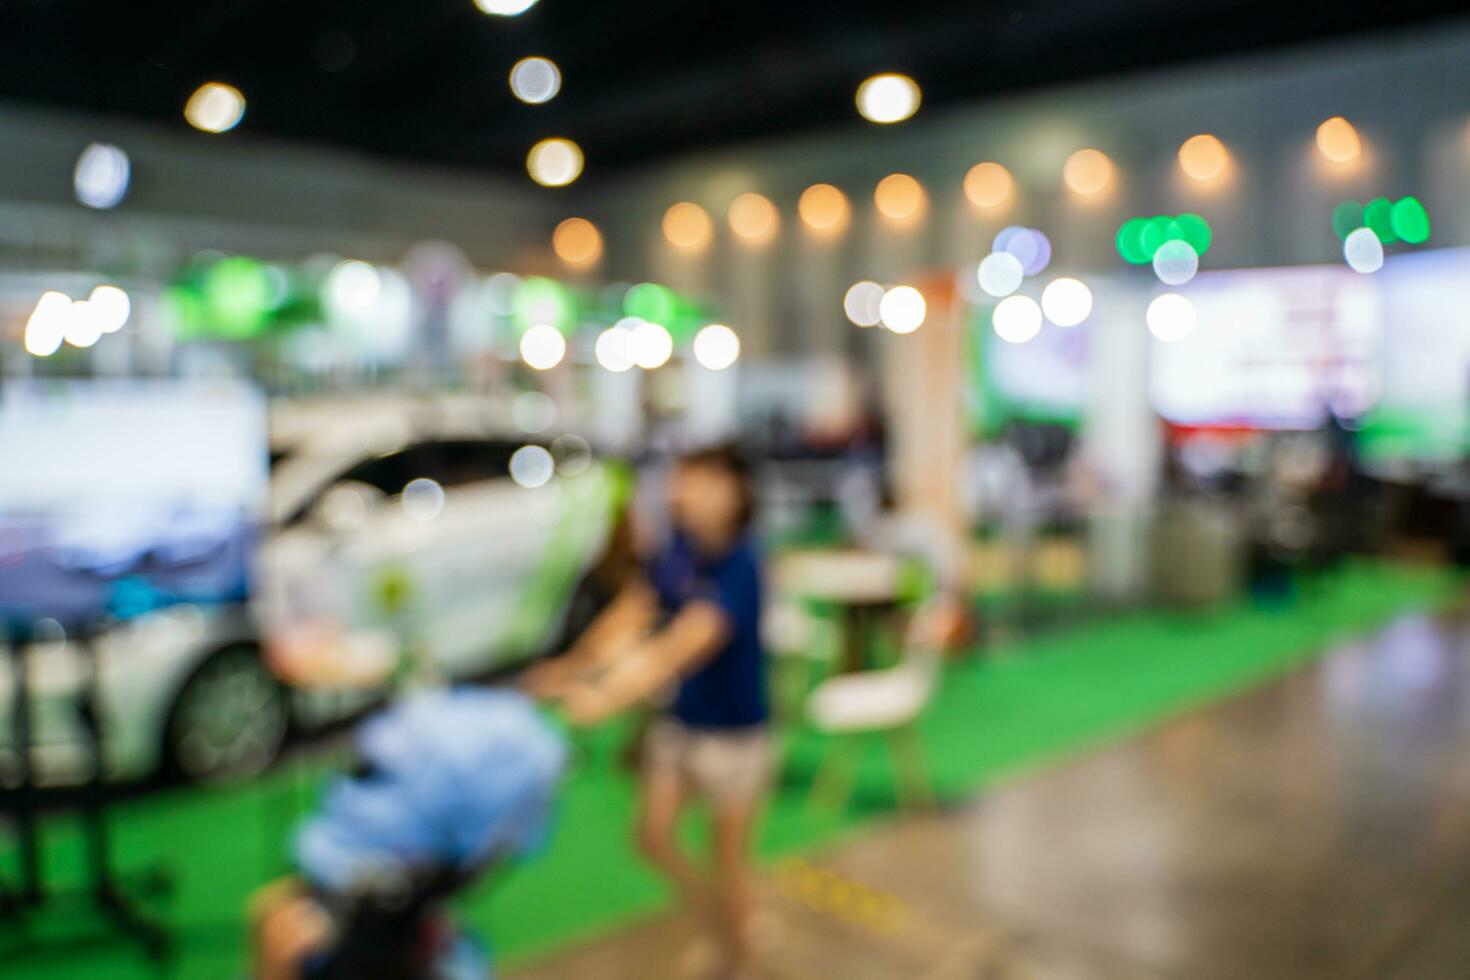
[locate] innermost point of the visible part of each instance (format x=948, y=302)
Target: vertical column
x=1120, y=440
x=923, y=390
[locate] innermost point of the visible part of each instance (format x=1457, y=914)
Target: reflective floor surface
x=1318, y=827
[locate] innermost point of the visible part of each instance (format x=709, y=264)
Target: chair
x=886, y=703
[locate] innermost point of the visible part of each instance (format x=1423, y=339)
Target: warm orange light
x=1203, y=157
x=754, y=219
x=900, y=197
x=989, y=185
x=823, y=209
x=1088, y=172
x=577, y=241
x=1338, y=140
x=687, y=227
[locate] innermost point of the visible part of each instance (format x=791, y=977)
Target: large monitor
x=1279, y=348
x=118, y=497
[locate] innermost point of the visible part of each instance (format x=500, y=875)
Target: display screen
x=1042, y=380
x=1273, y=349
x=120, y=497
x=1279, y=348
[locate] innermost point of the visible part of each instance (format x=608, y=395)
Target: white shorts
x=730, y=766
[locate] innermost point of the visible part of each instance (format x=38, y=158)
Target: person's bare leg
x=663, y=797
x=733, y=900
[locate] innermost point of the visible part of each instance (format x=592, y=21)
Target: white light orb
x=651, y=345
x=353, y=288
x=505, y=8
x=1016, y=319
x=716, y=347
x=614, y=349
x=1176, y=262
x=902, y=309
x=46, y=328
x=888, y=98
x=554, y=162
x=111, y=306
x=543, y=347
x=423, y=499
x=532, y=467
x=1363, y=251
x=1030, y=246
x=1171, y=317
x=83, y=325
x=102, y=175
x=215, y=107
x=535, y=80
x=533, y=411
x=862, y=303
x=1066, y=302
x=1000, y=274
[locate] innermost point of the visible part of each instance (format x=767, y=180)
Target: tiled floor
x=1317, y=829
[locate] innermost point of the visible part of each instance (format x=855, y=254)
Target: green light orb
x=1410, y=221
x=1196, y=231
x=1378, y=215
x=1155, y=233
x=1129, y=245
x=652, y=302
x=1347, y=218
x=237, y=298
x=183, y=312
x=541, y=300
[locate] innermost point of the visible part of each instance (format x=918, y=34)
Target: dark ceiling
x=425, y=80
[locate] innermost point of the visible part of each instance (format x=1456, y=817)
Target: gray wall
x=1407, y=93
x=241, y=194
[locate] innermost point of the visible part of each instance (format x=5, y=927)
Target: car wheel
x=228, y=719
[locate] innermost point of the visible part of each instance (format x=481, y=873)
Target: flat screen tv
x=118, y=497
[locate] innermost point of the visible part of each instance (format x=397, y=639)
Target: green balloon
x=1130, y=246
x=1347, y=218
x=1378, y=215
x=1410, y=221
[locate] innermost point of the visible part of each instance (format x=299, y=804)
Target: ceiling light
x=687, y=227
x=535, y=80
x=554, y=162
x=988, y=185
x=862, y=303
x=215, y=107
x=888, y=98
x=754, y=219
x=1088, y=172
x=823, y=209
x=577, y=241
x=101, y=176
x=543, y=347
x=716, y=347
x=505, y=8
x=903, y=309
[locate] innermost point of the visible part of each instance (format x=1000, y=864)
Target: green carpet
x=1035, y=701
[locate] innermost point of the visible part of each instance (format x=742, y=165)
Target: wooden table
x=864, y=585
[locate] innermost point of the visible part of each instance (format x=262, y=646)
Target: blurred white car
x=425, y=557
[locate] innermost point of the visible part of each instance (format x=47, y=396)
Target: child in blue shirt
x=692, y=625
